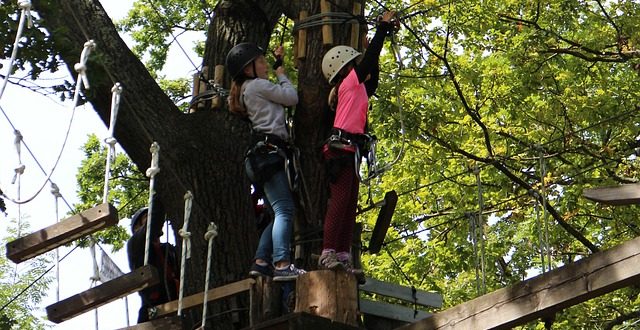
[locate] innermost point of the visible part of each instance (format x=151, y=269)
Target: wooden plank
x=301, y=49
x=65, y=231
x=213, y=294
x=383, y=222
x=624, y=194
x=405, y=293
x=102, y=294
x=165, y=323
x=545, y=294
x=390, y=311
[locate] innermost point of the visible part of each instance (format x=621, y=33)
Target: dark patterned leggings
x=340, y=219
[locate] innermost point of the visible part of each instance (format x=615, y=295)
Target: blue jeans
x=275, y=242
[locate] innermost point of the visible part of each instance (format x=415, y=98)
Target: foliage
x=16, y=307
x=492, y=90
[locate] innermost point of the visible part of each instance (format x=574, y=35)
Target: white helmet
x=335, y=59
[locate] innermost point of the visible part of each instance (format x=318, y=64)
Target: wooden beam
x=390, y=311
x=213, y=294
x=302, y=320
x=624, y=194
x=165, y=323
x=545, y=294
x=102, y=294
x=65, y=231
x=383, y=222
x=405, y=293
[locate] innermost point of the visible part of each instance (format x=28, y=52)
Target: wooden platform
x=102, y=294
x=65, y=231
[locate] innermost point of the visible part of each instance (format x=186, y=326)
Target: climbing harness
x=186, y=245
x=212, y=232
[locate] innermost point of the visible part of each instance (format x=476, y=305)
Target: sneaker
x=329, y=261
x=357, y=272
x=259, y=270
x=288, y=274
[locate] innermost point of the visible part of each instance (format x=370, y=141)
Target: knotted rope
x=186, y=245
x=151, y=173
x=211, y=233
x=110, y=140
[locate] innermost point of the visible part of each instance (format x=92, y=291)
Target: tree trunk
x=203, y=152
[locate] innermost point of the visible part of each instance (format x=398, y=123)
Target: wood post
x=218, y=76
x=302, y=37
x=355, y=26
x=266, y=300
x=327, y=32
x=330, y=294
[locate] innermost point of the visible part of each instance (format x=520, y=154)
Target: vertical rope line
x=539, y=226
x=19, y=170
x=26, y=15
x=480, y=227
x=212, y=232
x=56, y=194
x=474, y=244
x=545, y=214
x=186, y=245
x=151, y=173
x=110, y=140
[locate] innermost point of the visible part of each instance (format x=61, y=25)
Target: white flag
x=108, y=269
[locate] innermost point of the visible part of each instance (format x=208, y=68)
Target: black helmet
x=136, y=217
x=241, y=55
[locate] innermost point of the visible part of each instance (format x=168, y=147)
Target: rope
x=20, y=169
x=480, y=223
x=110, y=140
x=26, y=15
x=539, y=225
x=34, y=282
x=18, y=175
x=186, y=245
x=333, y=18
x=545, y=215
x=55, y=191
x=81, y=68
x=211, y=233
x=151, y=173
